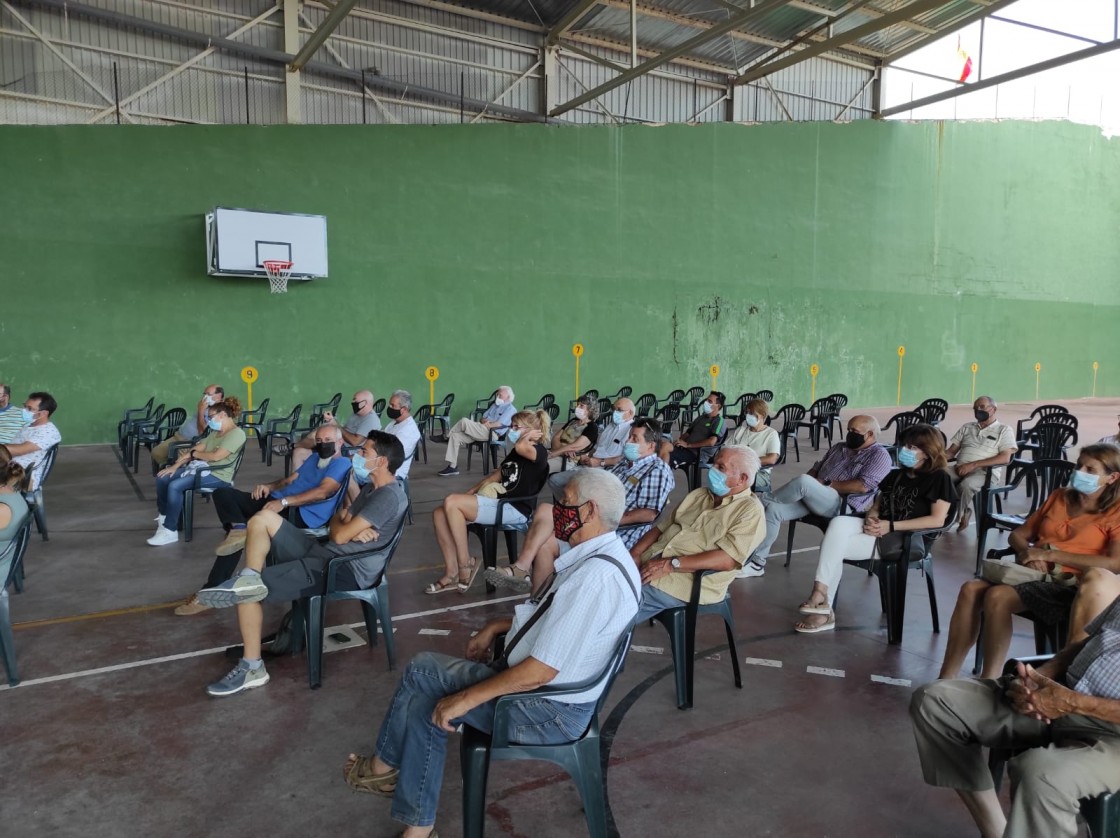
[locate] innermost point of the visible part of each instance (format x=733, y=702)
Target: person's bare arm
x=938, y=512
x=324, y=490
x=1035, y=694
x=18, y=448
x=708, y=560
x=1109, y=561
x=768, y=459
x=644, y=543
x=522, y=677
x=639, y=516
x=354, y=528
x=1000, y=459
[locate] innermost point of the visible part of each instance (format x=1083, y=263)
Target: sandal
x=360, y=777
x=828, y=625
x=807, y=607
x=508, y=577
x=445, y=584
x=474, y=566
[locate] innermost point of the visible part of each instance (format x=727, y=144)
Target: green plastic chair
x=582, y=759
x=16, y=550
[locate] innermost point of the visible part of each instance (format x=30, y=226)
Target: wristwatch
x=675, y=562
x=283, y=501
x=827, y=482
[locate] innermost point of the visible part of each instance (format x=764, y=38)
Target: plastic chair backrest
x=553, y=411
x=840, y=400
x=592, y=395
x=1052, y=438
x=766, y=395
x=605, y=406
x=790, y=414
x=423, y=414
x=389, y=549
x=902, y=421
x=645, y=404
x=379, y=407
x=674, y=397
x=174, y=418
x=43, y=469
x=624, y=392
x=13, y=554
x=668, y=416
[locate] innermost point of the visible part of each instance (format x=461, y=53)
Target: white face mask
x=751, y=420
x=500, y=402
x=209, y=399
x=581, y=413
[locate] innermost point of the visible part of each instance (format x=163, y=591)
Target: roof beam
x=733, y=22
x=334, y=18
x=980, y=11
x=1029, y=70
x=569, y=20
x=841, y=40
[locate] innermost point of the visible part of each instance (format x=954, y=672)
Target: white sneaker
x=159, y=520
x=750, y=570
x=163, y=536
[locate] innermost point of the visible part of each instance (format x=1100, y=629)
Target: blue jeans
x=654, y=601
x=170, y=491
x=411, y=742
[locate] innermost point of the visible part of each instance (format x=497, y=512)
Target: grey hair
x=989, y=398
x=508, y=389
x=747, y=458
x=603, y=488
x=333, y=427
x=404, y=397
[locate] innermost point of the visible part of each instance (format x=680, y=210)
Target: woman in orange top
x=1075, y=529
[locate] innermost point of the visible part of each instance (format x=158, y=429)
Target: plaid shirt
x=868, y=465
x=1096, y=669
x=648, y=482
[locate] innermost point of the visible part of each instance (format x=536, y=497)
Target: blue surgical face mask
x=358, y=463
x=751, y=420
x=717, y=482
x=630, y=451
x=214, y=423
x=616, y=417
x=513, y=435
x=706, y=408
x=28, y=416
x=907, y=458
x=1084, y=482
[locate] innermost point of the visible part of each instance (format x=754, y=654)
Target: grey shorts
x=297, y=566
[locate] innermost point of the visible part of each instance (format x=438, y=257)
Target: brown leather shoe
x=191, y=607
x=234, y=541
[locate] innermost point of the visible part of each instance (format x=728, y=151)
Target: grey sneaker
x=241, y=677
x=248, y=587
x=448, y=471
x=750, y=570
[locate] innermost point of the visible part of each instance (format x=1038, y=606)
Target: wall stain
x=675, y=359
x=752, y=309
x=709, y=312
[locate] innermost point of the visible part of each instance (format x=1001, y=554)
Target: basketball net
x=278, y=272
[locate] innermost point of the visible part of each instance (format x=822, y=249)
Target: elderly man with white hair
x=497, y=417
x=354, y=432
x=713, y=528
x=565, y=633
x=855, y=466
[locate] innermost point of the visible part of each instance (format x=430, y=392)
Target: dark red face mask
x=565, y=520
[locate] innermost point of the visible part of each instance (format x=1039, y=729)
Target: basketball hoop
x=278, y=272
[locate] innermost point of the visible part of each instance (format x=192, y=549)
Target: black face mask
x=854, y=439
x=324, y=449
x=356, y=406
x=981, y=415
x=393, y=413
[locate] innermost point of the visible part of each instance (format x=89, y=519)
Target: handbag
x=1012, y=573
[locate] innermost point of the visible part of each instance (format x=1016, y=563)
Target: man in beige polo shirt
x=714, y=528
x=976, y=446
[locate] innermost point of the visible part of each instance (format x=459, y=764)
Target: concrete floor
x=111, y=732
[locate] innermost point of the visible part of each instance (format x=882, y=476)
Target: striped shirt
x=1096, y=669
x=868, y=465
x=648, y=482
x=11, y=423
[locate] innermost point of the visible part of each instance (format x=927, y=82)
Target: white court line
x=897, y=682
x=117, y=667
x=762, y=662
x=440, y=632
x=822, y=670
x=648, y=650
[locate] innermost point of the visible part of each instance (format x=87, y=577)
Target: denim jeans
x=654, y=601
x=794, y=500
x=170, y=491
x=411, y=742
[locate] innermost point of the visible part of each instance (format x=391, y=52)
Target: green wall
x=489, y=250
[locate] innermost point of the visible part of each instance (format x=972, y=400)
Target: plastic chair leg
x=314, y=616
x=383, y=614
x=7, y=644
x=978, y=660
x=187, y=518
x=474, y=759
x=927, y=568
x=729, y=625
x=40, y=519
x=895, y=584
x=792, y=525
x=17, y=579
x=588, y=777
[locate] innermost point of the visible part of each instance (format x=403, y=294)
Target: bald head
x=362, y=402
x=864, y=426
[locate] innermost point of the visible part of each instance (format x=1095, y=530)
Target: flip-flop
x=806, y=608
x=476, y=565
x=368, y=783
x=440, y=587
x=829, y=625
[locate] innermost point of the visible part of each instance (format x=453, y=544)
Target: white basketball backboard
x=238, y=242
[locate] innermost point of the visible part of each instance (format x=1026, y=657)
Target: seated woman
x=522, y=474
x=1113, y=439
x=14, y=480
x=1075, y=529
x=578, y=435
x=755, y=434
x=916, y=496
x=212, y=457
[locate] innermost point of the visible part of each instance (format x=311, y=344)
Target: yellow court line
x=97, y=615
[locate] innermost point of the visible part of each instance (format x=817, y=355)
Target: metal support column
x=877, y=92
x=292, y=94
x=549, y=82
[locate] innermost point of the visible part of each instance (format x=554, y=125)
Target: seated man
x=853, y=467
x=565, y=634
x=192, y=426
x=647, y=481
x=11, y=417
x=31, y=443
x=704, y=431
x=354, y=432
x=497, y=417
x=297, y=562
x=608, y=449
x=714, y=528
x=1065, y=714
x=403, y=427
x=976, y=446
x=307, y=495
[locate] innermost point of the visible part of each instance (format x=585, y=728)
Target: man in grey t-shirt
x=354, y=432
x=297, y=563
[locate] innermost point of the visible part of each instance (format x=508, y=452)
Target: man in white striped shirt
x=566, y=633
